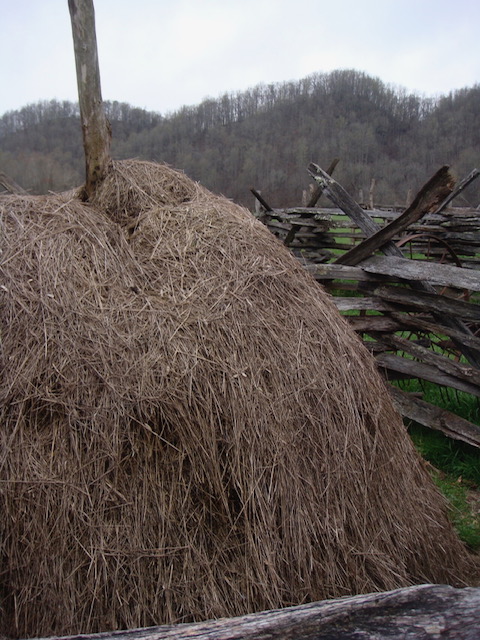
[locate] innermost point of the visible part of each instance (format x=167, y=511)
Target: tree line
x=265, y=138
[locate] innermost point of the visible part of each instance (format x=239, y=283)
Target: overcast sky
x=162, y=54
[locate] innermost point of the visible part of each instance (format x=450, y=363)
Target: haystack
x=189, y=429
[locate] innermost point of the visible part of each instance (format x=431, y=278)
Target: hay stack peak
x=189, y=429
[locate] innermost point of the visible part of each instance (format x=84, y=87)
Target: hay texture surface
x=188, y=427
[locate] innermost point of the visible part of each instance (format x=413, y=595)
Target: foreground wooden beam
x=427, y=612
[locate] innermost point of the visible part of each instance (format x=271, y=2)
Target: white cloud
x=161, y=54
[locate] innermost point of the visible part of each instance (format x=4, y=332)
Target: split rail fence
x=409, y=284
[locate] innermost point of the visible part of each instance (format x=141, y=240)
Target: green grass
x=455, y=465
x=463, y=508
x=457, y=459
x=456, y=471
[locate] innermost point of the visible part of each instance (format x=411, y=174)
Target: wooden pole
x=370, y=193
x=316, y=195
x=261, y=200
x=95, y=126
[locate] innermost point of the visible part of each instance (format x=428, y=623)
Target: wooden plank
x=464, y=252
x=343, y=272
x=462, y=236
x=296, y=212
x=429, y=302
x=444, y=275
x=378, y=324
x=296, y=219
x=434, y=192
x=319, y=213
x=351, y=303
x=342, y=199
x=379, y=344
x=435, y=359
x=421, y=612
x=275, y=224
x=424, y=371
x=429, y=415
x=415, y=323
x=304, y=222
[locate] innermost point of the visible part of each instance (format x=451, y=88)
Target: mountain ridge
x=265, y=137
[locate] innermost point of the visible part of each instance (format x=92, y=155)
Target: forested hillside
x=265, y=137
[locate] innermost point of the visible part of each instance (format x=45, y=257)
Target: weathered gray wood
x=332, y=271
x=444, y=275
x=342, y=199
x=473, y=175
x=429, y=302
x=95, y=127
x=428, y=198
x=462, y=238
x=356, y=303
x=317, y=194
x=457, y=227
x=261, y=199
x=424, y=612
x=416, y=369
x=369, y=324
x=10, y=185
x=414, y=322
x=303, y=222
x=433, y=417
x=440, y=362
x=313, y=213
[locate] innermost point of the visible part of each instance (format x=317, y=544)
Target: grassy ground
x=455, y=466
x=455, y=469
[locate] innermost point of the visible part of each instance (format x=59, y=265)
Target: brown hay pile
x=188, y=427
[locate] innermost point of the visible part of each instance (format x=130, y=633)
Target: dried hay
x=188, y=427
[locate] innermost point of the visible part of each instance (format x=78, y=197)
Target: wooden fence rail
x=419, y=317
